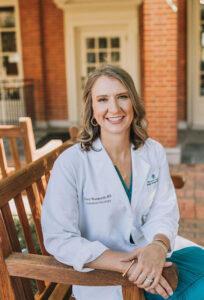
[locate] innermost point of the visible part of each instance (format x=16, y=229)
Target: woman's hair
x=89, y=133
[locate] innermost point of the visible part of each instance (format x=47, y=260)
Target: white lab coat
x=86, y=209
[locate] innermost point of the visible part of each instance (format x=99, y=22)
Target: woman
x=110, y=198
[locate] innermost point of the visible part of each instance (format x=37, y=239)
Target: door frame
x=192, y=67
x=94, y=13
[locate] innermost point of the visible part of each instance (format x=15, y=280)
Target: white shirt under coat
x=86, y=209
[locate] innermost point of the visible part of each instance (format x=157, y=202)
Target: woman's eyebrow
x=123, y=93
x=101, y=96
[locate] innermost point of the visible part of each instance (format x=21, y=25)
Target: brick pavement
x=191, y=201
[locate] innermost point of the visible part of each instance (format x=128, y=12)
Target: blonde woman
x=111, y=201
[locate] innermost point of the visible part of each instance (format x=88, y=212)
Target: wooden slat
x=14, y=245
x=9, y=131
x=41, y=190
x=59, y=292
x=14, y=153
x=6, y=290
x=3, y=162
x=27, y=175
x=132, y=293
x=27, y=138
x=10, y=288
x=47, y=176
x=10, y=228
x=35, y=207
x=73, y=131
x=25, y=227
x=47, y=291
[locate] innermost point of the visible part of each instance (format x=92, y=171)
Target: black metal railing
x=16, y=100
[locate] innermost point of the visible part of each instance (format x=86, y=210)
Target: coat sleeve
x=163, y=215
x=60, y=219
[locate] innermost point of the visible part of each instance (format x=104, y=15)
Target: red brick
x=200, y=210
x=187, y=208
x=159, y=69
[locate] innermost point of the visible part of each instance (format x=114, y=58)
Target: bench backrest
x=24, y=133
x=16, y=267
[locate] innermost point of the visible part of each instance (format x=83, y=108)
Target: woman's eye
x=123, y=97
x=102, y=99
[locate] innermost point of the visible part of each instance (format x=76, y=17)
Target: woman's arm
x=110, y=260
x=60, y=216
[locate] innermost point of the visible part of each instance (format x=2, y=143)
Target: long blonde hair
x=89, y=133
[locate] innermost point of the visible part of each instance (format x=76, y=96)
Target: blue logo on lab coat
x=153, y=180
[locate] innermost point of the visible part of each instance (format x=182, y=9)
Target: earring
x=94, y=122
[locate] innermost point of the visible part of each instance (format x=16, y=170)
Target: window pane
x=202, y=65
x=91, y=57
x=90, y=43
x=10, y=68
x=102, y=57
x=202, y=12
x=115, y=43
x=90, y=69
x=12, y=94
x=115, y=56
x=202, y=85
x=7, y=17
x=8, y=41
x=102, y=42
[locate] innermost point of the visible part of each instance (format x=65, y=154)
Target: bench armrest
x=51, y=145
x=47, y=268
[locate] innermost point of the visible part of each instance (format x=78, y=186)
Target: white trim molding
x=56, y=124
x=64, y=4
x=182, y=125
x=173, y=155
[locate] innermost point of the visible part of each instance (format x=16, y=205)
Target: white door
x=97, y=46
x=196, y=65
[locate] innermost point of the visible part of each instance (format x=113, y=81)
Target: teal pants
x=190, y=263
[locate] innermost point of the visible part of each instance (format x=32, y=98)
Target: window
x=9, y=56
x=101, y=50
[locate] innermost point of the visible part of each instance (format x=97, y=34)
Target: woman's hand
x=146, y=273
x=162, y=288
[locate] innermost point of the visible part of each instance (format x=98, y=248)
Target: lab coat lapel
x=140, y=169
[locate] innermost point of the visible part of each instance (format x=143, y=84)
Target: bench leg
x=132, y=293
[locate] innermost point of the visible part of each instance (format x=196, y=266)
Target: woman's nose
x=113, y=105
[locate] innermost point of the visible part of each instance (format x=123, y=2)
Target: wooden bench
x=25, y=132
x=53, y=279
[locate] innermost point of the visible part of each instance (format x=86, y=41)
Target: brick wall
x=160, y=70
x=42, y=35
x=53, y=34
x=32, y=51
x=182, y=60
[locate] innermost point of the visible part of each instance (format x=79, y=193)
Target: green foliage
x=23, y=244
x=21, y=237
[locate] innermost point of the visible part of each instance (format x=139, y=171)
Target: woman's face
x=112, y=107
